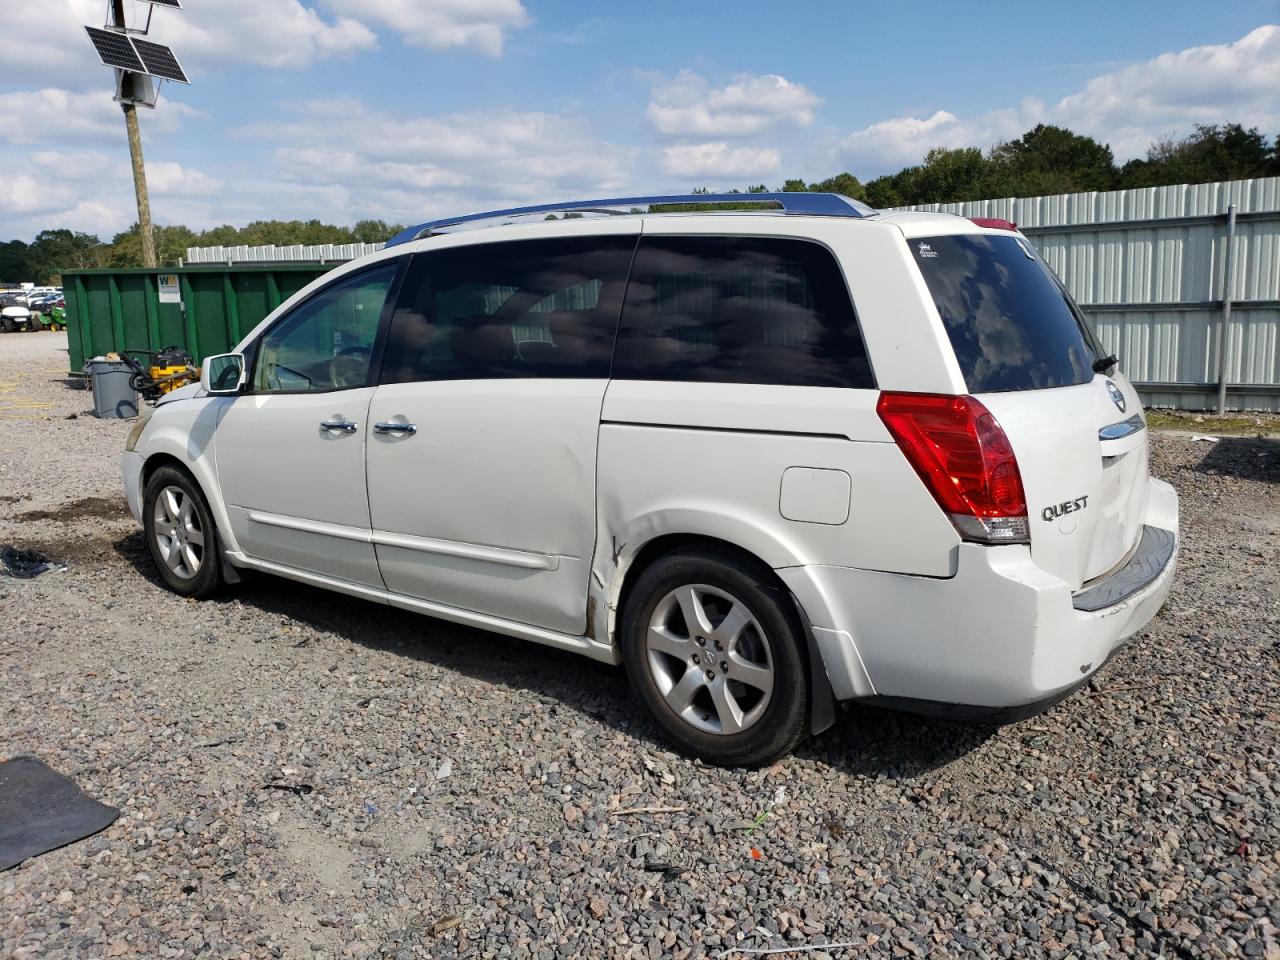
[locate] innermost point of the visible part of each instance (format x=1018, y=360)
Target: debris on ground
x=23, y=563
x=443, y=924
x=41, y=810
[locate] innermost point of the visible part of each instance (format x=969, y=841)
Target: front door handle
x=391, y=426
x=346, y=426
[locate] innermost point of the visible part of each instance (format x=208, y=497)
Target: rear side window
x=1008, y=320
x=739, y=310
x=528, y=308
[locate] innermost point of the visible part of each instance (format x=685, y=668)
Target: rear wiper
x=1103, y=364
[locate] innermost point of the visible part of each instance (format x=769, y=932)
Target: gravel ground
x=461, y=794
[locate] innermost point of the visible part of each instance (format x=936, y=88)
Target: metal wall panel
x=1147, y=267
x=296, y=253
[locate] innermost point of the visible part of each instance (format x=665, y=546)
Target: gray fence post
x=1224, y=329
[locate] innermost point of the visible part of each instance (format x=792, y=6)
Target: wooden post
x=145, y=231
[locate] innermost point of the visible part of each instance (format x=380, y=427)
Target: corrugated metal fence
x=1148, y=266
x=297, y=253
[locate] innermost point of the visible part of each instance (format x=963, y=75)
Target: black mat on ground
x=41, y=810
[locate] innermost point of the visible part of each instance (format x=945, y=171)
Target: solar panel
x=159, y=60
x=115, y=50
x=176, y=4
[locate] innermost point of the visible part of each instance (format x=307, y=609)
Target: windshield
x=1010, y=323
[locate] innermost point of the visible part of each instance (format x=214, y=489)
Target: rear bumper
x=1001, y=638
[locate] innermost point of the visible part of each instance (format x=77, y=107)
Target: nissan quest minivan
x=769, y=459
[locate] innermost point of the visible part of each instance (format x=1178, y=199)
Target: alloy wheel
x=710, y=659
x=177, y=532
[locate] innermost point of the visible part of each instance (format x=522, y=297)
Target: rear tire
x=181, y=534
x=715, y=653
x=6, y=325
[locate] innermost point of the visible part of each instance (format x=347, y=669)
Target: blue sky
x=408, y=109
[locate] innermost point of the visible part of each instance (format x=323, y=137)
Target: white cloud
x=166, y=178
x=1238, y=82
x=894, y=143
x=1128, y=108
x=54, y=115
x=92, y=191
x=720, y=161
x=403, y=167
x=479, y=25
x=25, y=194
x=688, y=106
x=266, y=33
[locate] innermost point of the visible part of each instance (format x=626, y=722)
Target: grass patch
x=1239, y=425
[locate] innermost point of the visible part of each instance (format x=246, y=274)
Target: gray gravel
x=461, y=794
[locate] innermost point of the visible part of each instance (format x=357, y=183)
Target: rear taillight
x=965, y=460
x=994, y=223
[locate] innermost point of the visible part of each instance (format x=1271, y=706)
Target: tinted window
x=326, y=343
x=739, y=310
x=1009, y=321
x=530, y=308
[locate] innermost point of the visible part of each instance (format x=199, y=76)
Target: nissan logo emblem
x=1116, y=396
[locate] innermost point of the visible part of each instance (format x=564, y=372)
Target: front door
x=290, y=453
x=482, y=452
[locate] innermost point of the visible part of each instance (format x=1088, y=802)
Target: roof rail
x=810, y=204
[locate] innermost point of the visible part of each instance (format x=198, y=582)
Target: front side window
x=525, y=308
x=740, y=310
x=327, y=342
x=1008, y=319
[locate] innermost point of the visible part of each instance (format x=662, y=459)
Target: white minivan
x=771, y=459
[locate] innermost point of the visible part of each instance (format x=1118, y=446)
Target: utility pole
x=145, y=231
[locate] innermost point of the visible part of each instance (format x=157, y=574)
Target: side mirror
x=223, y=375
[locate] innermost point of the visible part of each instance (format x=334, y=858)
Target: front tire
x=714, y=651
x=181, y=534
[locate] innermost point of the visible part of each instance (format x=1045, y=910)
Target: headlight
x=144, y=417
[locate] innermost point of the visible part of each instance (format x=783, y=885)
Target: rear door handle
x=1118, y=431
x=346, y=426
x=390, y=426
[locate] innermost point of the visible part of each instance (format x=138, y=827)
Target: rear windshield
x=1010, y=324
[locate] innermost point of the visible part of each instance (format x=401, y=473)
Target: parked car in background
x=45, y=303
x=15, y=315
x=768, y=461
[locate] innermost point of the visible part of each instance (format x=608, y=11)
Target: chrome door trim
x=341, y=531
x=468, y=551
x=448, y=548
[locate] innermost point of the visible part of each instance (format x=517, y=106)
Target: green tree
x=53, y=251
x=945, y=176
x=374, y=231
x=13, y=261
x=884, y=192
x=1048, y=159
x=1217, y=152
x=844, y=183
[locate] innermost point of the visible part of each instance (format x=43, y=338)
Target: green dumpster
x=203, y=309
